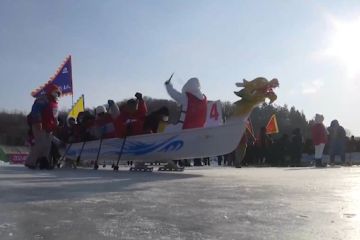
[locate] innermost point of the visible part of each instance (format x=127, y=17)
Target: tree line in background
x=13, y=125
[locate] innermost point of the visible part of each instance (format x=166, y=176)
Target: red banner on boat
x=62, y=78
x=18, y=158
x=250, y=128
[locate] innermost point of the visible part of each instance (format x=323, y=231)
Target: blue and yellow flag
x=62, y=78
x=79, y=106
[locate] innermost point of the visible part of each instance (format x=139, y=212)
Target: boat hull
x=184, y=144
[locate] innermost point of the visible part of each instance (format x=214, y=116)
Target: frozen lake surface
x=199, y=203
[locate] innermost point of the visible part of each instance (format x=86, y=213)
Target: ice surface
x=3, y=163
x=199, y=203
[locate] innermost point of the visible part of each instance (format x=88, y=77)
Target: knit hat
x=52, y=88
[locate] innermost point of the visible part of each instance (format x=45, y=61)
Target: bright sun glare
x=344, y=44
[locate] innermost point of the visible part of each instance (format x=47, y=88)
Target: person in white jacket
x=193, y=103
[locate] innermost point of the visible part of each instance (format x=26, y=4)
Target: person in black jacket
x=296, y=147
x=152, y=121
x=337, y=140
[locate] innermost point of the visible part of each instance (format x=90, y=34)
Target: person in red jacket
x=129, y=119
x=43, y=121
x=319, y=137
x=193, y=103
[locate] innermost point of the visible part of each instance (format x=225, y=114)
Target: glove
x=111, y=102
x=138, y=96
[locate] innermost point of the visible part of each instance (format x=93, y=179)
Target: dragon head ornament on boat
x=254, y=92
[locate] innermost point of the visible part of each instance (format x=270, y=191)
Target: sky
x=122, y=47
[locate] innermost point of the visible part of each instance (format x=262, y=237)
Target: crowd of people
x=112, y=120
x=115, y=121
x=289, y=150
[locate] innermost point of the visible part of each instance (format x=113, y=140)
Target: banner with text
x=62, y=78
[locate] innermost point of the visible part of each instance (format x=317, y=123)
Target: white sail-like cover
x=184, y=144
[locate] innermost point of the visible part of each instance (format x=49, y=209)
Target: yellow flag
x=79, y=106
x=162, y=126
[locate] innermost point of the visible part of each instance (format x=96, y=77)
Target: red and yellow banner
x=272, y=126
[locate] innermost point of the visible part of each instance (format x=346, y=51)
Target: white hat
x=193, y=86
x=100, y=109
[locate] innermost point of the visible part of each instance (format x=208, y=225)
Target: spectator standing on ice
x=193, y=103
x=282, y=150
x=43, y=120
x=337, y=140
x=296, y=147
x=352, y=147
x=219, y=159
x=319, y=137
x=249, y=157
x=263, y=144
x=241, y=149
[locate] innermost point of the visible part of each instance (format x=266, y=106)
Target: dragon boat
x=182, y=144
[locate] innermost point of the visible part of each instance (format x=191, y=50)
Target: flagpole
x=72, y=103
x=72, y=86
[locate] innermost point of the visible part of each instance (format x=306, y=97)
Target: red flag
x=62, y=78
x=250, y=128
x=272, y=126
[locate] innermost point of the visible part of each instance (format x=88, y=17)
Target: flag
x=250, y=128
x=272, y=126
x=62, y=78
x=79, y=106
